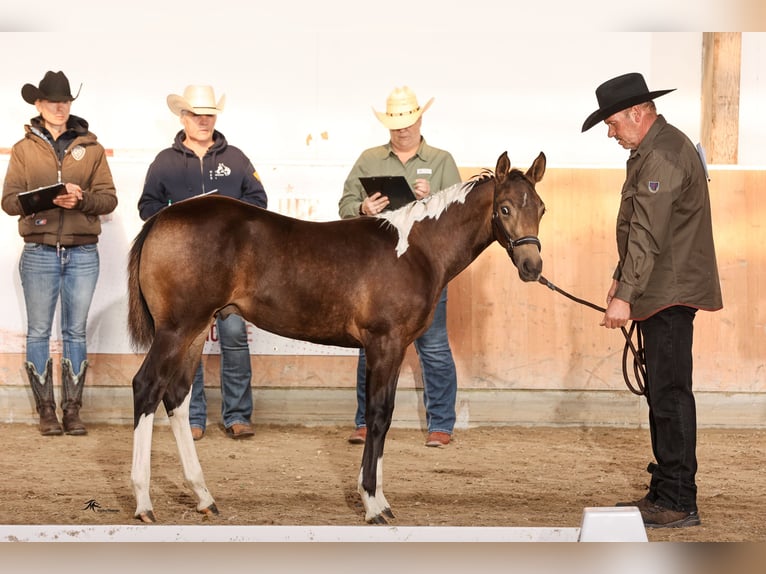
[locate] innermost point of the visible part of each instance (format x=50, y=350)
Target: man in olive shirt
x=667, y=271
x=427, y=169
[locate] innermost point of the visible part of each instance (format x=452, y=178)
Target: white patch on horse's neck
x=432, y=206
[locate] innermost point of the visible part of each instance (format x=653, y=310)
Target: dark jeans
x=672, y=411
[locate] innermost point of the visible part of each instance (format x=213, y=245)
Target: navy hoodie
x=177, y=174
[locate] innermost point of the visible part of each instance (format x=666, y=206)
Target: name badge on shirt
x=424, y=171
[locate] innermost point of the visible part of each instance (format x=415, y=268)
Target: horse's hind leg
x=179, y=423
x=165, y=375
x=140, y=474
x=146, y=399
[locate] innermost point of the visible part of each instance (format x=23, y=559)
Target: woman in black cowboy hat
x=60, y=257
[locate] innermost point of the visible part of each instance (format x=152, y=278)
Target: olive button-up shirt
x=664, y=227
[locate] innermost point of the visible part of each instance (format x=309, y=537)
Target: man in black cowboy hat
x=666, y=272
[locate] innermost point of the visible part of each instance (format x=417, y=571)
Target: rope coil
x=639, y=361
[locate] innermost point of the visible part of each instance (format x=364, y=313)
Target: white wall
x=508, y=89
x=295, y=71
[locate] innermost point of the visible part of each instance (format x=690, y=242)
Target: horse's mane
x=432, y=206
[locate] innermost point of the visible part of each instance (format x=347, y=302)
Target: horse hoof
x=377, y=520
x=146, y=517
x=388, y=513
x=210, y=510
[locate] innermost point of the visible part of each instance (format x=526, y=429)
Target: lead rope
x=639, y=361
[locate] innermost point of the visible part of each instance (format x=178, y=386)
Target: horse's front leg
x=381, y=380
x=376, y=507
x=179, y=423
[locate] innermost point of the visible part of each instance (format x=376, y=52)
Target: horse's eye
x=505, y=210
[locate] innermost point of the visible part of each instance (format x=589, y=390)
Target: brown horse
x=370, y=282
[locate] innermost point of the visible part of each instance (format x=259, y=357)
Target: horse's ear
x=503, y=167
x=537, y=169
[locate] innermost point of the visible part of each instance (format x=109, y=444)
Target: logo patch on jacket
x=654, y=186
x=78, y=152
x=41, y=221
x=221, y=171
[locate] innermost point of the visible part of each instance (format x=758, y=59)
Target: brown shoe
x=438, y=439
x=240, y=430
x=641, y=503
x=358, y=436
x=656, y=516
x=197, y=433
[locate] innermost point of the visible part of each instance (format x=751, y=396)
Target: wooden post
x=721, y=60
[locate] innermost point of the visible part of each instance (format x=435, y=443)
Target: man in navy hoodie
x=201, y=161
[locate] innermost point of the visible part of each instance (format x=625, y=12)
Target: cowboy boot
x=71, y=399
x=42, y=389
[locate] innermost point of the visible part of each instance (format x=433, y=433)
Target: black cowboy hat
x=54, y=87
x=618, y=94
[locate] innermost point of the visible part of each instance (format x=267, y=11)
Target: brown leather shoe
x=656, y=516
x=641, y=503
x=240, y=430
x=197, y=433
x=438, y=439
x=358, y=436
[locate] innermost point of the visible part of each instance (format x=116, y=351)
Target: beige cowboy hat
x=402, y=109
x=196, y=99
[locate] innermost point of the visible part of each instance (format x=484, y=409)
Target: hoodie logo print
x=221, y=171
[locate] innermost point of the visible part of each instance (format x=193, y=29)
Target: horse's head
x=517, y=213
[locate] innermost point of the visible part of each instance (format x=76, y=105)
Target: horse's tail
x=140, y=321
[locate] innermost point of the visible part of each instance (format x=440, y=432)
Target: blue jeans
x=236, y=392
x=439, y=375
x=672, y=412
x=47, y=274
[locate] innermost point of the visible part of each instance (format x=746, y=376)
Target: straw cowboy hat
x=54, y=87
x=402, y=109
x=196, y=99
x=619, y=94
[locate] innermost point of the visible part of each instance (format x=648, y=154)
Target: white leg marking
x=179, y=423
x=374, y=506
x=140, y=474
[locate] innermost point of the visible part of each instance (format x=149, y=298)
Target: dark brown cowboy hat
x=54, y=87
x=619, y=94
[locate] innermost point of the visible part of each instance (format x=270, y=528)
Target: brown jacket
x=664, y=227
x=34, y=164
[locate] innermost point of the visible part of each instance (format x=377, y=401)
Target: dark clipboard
x=395, y=187
x=41, y=198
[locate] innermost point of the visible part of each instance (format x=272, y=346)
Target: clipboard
x=395, y=187
x=41, y=198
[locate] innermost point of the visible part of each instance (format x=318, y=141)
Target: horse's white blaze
x=374, y=506
x=432, y=206
x=142, y=463
x=179, y=423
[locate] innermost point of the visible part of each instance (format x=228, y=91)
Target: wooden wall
x=507, y=334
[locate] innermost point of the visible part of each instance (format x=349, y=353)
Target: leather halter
x=511, y=243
